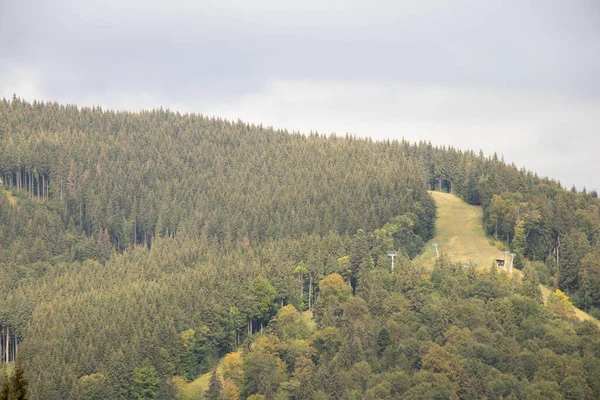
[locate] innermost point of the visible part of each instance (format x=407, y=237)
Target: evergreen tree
x=18, y=383
x=144, y=385
x=531, y=283
x=360, y=257
x=215, y=387
x=574, y=247
x=383, y=339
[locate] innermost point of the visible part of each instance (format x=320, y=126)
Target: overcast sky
x=519, y=78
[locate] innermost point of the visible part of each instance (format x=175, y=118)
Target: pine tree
x=574, y=247
x=493, y=272
x=383, y=339
x=360, y=257
x=145, y=382
x=531, y=283
x=18, y=383
x=215, y=387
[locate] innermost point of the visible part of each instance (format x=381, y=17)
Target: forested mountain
x=135, y=247
x=156, y=173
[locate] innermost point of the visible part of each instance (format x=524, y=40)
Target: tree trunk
x=7, y=344
x=557, y=247
x=310, y=293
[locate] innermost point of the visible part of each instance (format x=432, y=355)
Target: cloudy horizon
x=519, y=80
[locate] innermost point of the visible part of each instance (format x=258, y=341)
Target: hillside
x=460, y=235
x=139, y=249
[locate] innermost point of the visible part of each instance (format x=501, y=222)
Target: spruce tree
x=145, y=382
x=383, y=339
x=18, y=383
x=531, y=283
x=493, y=272
x=215, y=387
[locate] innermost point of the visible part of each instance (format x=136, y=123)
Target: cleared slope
x=459, y=232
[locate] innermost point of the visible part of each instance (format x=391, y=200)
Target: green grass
x=580, y=314
x=193, y=390
x=459, y=232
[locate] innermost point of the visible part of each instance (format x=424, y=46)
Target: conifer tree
x=18, y=383
x=531, y=283
x=215, y=387
x=383, y=339
x=493, y=272
x=145, y=382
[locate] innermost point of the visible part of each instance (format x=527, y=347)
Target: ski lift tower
x=511, y=261
x=437, y=251
x=393, y=255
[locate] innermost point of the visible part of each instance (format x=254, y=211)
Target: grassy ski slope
x=459, y=232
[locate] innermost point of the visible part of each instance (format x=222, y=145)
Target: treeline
x=453, y=333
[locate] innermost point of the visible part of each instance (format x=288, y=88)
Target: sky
x=520, y=78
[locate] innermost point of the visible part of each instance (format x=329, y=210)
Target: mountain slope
x=144, y=246
x=460, y=235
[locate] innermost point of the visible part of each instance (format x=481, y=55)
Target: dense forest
x=139, y=249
